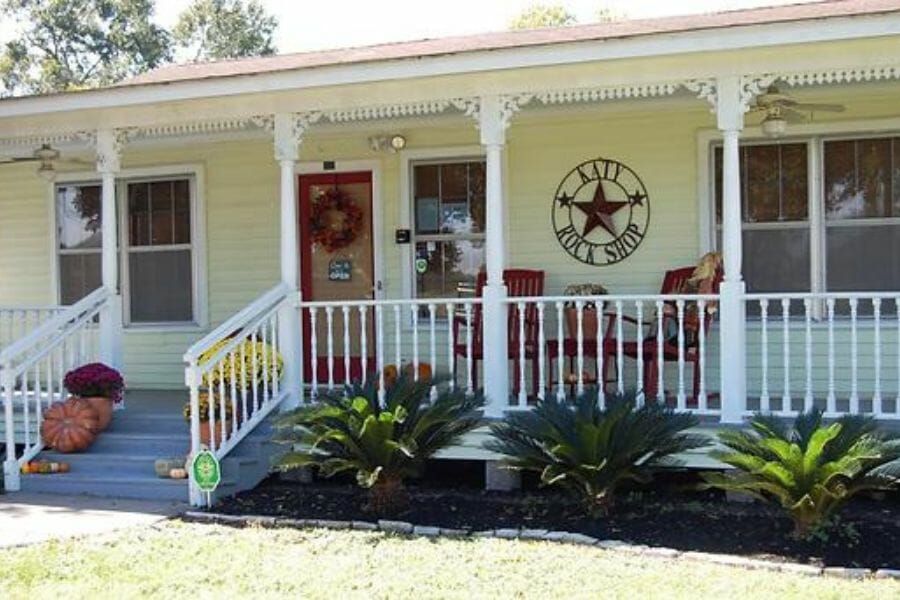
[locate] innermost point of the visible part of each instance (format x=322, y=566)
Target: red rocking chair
x=519, y=283
x=674, y=282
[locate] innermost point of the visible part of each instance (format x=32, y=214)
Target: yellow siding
x=658, y=141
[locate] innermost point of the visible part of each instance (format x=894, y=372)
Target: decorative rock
x=395, y=526
x=507, y=534
x=579, y=538
x=555, y=536
x=292, y=523
x=331, y=524
x=454, y=533
x=533, y=534
x=427, y=531
x=485, y=534
x=845, y=573
x=887, y=574
x=258, y=520
x=611, y=544
x=235, y=519
x=364, y=526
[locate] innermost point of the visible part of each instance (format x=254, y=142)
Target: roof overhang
x=643, y=46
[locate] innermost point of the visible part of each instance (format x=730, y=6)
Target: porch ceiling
x=674, y=81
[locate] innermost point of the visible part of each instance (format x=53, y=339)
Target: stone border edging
x=404, y=528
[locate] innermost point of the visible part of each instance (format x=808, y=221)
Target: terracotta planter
x=204, y=432
x=104, y=408
x=589, y=322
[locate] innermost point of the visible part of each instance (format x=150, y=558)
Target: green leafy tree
x=808, y=468
x=543, y=15
x=223, y=29
x=74, y=44
x=608, y=15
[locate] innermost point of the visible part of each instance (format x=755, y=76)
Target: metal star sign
x=600, y=212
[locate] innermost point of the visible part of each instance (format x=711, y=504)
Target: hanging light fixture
x=774, y=126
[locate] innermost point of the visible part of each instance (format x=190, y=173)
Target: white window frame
x=409, y=159
x=194, y=173
x=57, y=252
x=814, y=135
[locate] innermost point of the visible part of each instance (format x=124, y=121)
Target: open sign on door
x=340, y=270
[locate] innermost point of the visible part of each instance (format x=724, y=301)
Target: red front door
x=337, y=264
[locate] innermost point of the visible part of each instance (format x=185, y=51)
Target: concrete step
x=148, y=423
x=151, y=444
x=111, y=486
x=139, y=465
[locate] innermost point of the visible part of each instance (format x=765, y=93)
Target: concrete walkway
x=31, y=518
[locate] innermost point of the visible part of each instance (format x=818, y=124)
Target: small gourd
x=178, y=474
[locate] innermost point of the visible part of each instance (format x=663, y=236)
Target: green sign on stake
x=206, y=473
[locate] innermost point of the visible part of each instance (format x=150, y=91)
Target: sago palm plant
x=809, y=468
x=591, y=450
x=383, y=443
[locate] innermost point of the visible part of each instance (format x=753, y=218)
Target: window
x=855, y=232
x=156, y=247
x=448, y=214
x=158, y=251
x=775, y=216
x=862, y=214
x=78, y=240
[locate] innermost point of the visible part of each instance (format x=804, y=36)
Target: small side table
x=570, y=353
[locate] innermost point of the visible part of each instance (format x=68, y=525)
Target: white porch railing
x=838, y=351
x=18, y=321
x=32, y=370
x=239, y=368
x=655, y=345
x=351, y=342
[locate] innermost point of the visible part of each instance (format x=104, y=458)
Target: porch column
x=733, y=346
x=109, y=147
x=493, y=126
x=288, y=134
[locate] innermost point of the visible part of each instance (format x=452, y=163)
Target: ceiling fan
x=46, y=155
x=780, y=109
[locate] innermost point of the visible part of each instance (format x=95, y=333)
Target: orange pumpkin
x=70, y=426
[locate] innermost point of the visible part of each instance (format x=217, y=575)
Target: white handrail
x=237, y=322
x=249, y=362
x=32, y=370
x=90, y=302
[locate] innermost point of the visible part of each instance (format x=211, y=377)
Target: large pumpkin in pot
x=70, y=426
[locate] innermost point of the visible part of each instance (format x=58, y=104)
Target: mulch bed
x=867, y=534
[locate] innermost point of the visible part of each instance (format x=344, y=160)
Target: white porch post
x=108, y=146
x=733, y=347
x=496, y=363
x=288, y=133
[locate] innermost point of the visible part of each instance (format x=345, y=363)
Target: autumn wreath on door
x=336, y=220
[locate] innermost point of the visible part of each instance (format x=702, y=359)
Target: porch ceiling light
x=774, y=126
x=394, y=143
x=398, y=143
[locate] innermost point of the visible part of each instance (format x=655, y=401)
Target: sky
x=320, y=24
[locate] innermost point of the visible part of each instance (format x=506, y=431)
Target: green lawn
x=178, y=559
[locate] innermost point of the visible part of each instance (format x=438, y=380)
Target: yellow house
x=339, y=206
